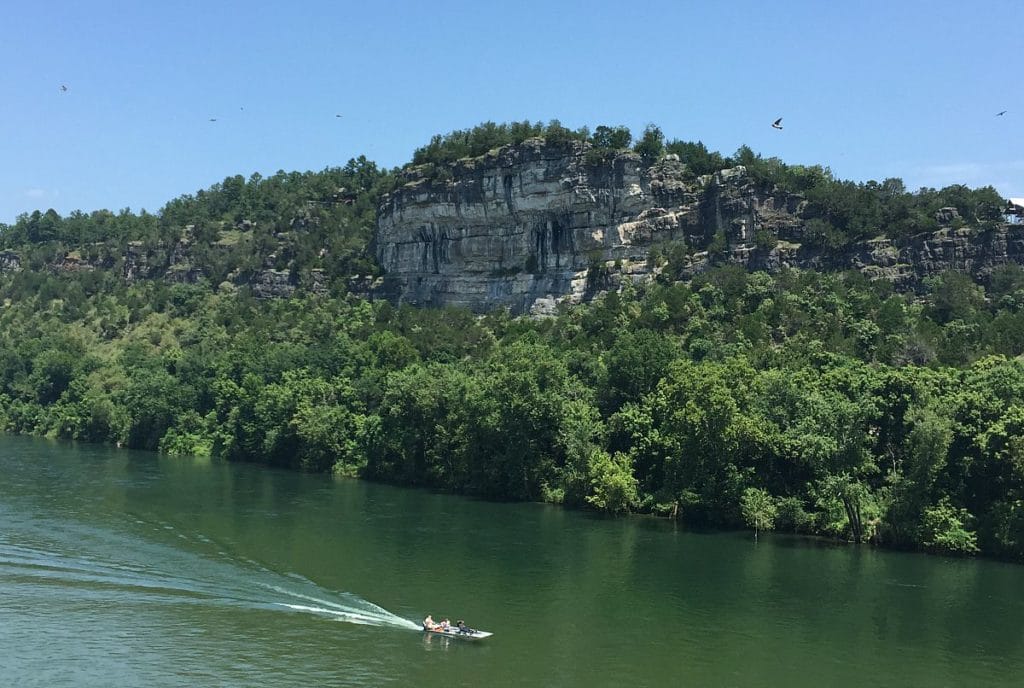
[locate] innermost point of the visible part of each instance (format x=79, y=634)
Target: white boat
x=454, y=632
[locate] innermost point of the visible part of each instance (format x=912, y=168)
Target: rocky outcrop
x=273, y=284
x=9, y=262
x=530, y=226
x=73, y=262
x=137, y=263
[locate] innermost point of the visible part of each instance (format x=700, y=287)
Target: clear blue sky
x=871, y=89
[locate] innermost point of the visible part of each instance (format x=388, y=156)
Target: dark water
x=128, y=569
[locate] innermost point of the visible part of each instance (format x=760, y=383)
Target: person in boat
x=429, y=624
x=461, y=625
x=446, y=626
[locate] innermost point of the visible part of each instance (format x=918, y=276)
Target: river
x=131, y=569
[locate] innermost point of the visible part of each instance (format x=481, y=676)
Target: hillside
x=525, y=216
x=812, y=401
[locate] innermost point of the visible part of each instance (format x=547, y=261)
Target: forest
x=803, y=402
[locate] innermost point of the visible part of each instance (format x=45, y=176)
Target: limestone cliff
x=524, y=225
x=527, y=226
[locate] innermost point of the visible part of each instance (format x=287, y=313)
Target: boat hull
x=473, y=635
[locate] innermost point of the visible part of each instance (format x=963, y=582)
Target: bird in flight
x=337, y=115
x=1000, y=114
x=777, y=124
x=63, y=88
x=213, y=119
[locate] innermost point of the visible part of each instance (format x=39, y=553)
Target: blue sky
x=870, y=89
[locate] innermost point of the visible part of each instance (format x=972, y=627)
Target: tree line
x=801, y=402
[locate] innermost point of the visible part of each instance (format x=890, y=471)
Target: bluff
x=528, y=226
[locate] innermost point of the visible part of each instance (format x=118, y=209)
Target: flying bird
x=213, y=119
x=63, y=88
x=1000, y=114
x=777, y=124
x=337, y=115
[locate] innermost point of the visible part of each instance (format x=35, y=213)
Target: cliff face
x=525, y=226
x=528, y=226
x=534, y=224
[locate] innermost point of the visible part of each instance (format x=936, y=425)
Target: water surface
x=125, y=568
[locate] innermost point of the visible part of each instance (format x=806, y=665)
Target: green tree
x=944, y=528
x=759, y=510
x=614, y=488
x=651, y=145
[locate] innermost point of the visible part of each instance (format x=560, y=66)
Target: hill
x=813, y=401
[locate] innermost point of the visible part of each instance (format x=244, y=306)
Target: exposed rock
x=137, y=263
x=522, y=227
x=947, y=216
x=530, y=226
x=273, y=284
x=184, y=273
x=9, y=262
x=318, y=281
x=73, y=262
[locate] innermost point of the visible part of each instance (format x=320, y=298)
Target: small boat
x=454, y=632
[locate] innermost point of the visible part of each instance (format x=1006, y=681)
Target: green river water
x=120, y=568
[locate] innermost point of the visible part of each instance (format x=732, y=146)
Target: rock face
x=528, y=226
x=9, y=262
x=533, y=224
x=273, y=284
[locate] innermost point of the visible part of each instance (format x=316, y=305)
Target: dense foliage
x=804, y=402
x=801, y=402
x=294, y=220
x=483, y=138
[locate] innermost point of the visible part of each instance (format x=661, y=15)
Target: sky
x=870, y=89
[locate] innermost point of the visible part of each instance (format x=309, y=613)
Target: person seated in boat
x=429, y=624
x=446, y=626
x=461, y=625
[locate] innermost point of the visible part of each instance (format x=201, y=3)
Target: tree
x=758, y=509
x=580, y=439
x=611, y=138
x=651, y=145
x=922, y=457
x=635, y=363
x=613, y=484
x=944, y=529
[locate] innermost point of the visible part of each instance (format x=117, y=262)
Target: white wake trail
x=370, y=614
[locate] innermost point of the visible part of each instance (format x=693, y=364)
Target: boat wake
x=355, y=610
x=82, y=569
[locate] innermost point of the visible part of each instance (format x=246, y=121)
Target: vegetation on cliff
x=838, y=213
x=295, y=221
x=817, y=403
